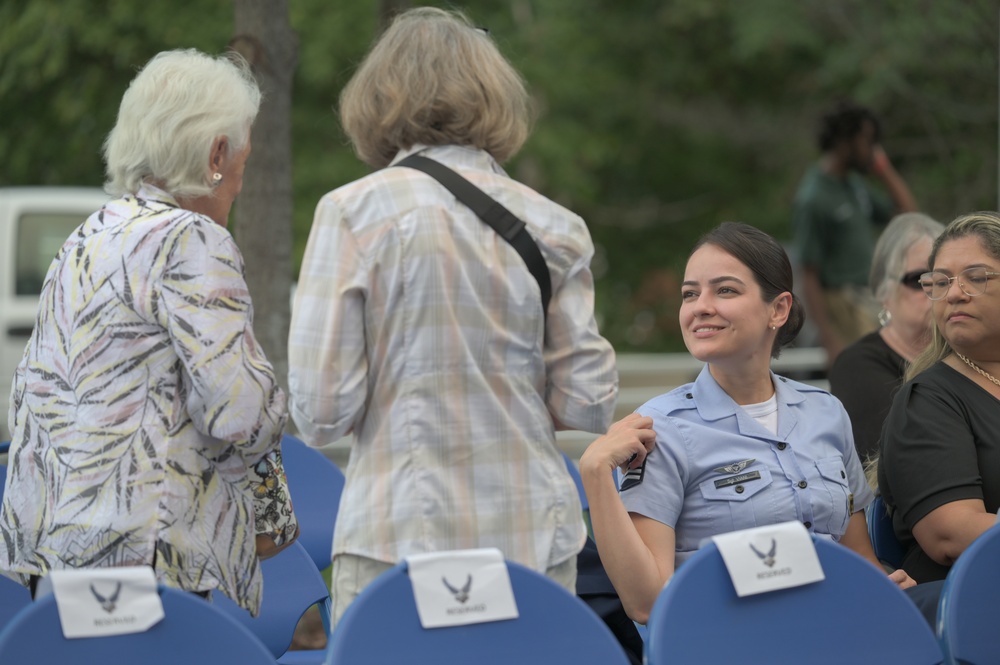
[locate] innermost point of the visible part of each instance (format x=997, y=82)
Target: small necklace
x=978, y=368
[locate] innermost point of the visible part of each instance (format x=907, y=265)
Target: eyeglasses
x=972, y=281
x=911, y=280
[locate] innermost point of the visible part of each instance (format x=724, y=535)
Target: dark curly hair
x=843, y=122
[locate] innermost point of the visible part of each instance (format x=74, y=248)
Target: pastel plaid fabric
x=419, y=329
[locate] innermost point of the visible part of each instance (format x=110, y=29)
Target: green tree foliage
x=656, y=120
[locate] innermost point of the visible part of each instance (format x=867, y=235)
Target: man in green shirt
x=836, y=217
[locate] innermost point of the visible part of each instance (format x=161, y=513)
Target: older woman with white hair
x=867, y=373
x=145, y=416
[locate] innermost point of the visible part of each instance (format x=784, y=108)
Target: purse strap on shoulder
x=503, y=221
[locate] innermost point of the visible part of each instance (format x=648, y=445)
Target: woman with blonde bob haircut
x=434, y=79
x=146, y=420
x=419, y=329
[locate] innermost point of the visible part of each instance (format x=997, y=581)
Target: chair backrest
x=315, y=484
x=291, y=586
x=575, y=474
x=966, y=621
x=13, y=599
x=381, y=626
x=192, y=632
x=887, y=548
x=855, y=615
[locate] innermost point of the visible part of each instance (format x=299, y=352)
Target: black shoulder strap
x=490, y=211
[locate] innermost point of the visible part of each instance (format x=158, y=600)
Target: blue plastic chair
x=192, y=632
x=887, y=548
x=855, y=615
x=967, y=619
x=291, y=586
x=381, y=626
x=315, y=484
x=13, y=599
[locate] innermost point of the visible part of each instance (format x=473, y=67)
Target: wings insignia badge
x=735, y=467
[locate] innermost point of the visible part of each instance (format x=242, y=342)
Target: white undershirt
x=766, y=413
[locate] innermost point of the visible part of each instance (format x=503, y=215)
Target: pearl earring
x=774, y=327
x=216, y=179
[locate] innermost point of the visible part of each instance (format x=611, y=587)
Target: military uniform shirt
x=715, y=469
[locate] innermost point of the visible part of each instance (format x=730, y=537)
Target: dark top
x=864, y=377
x=941, y=444
x=835, y=221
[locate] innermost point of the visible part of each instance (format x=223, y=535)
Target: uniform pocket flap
x=832, y=468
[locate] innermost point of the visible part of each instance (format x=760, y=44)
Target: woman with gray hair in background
x=420, y=329
x=867, y=373
x=145, y=417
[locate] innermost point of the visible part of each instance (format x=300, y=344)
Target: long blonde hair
x=434, y=79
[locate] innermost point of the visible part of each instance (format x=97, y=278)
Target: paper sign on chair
x=767, y=558
x=98, y=602
x=460, y=587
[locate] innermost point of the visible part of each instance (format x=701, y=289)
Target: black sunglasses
x=911, y=280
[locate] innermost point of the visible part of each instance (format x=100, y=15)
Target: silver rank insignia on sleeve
x=633, y=477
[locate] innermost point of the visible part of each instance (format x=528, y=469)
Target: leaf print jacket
x=140, y=402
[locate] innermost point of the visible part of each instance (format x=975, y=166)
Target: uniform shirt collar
x=713, y=403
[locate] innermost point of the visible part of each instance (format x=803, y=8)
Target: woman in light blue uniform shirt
x=740, y=447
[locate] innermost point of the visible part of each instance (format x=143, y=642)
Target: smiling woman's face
x=723, y=316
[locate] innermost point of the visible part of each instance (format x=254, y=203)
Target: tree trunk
x=263, y=211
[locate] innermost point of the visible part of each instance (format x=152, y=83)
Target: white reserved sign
x=767, y=558
x=106, y=601
x=460, y=587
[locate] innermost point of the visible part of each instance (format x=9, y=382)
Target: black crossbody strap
x=503, y=221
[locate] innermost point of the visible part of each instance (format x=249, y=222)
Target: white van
x=34, y=223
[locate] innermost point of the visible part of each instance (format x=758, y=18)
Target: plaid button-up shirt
x=419, y=329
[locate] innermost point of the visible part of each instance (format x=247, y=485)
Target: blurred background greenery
x=656, y=119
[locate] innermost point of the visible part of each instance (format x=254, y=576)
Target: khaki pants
x=351, y=574
x=852, y=312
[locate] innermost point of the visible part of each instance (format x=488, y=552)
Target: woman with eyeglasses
x=868, y=373
x=939, y=468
